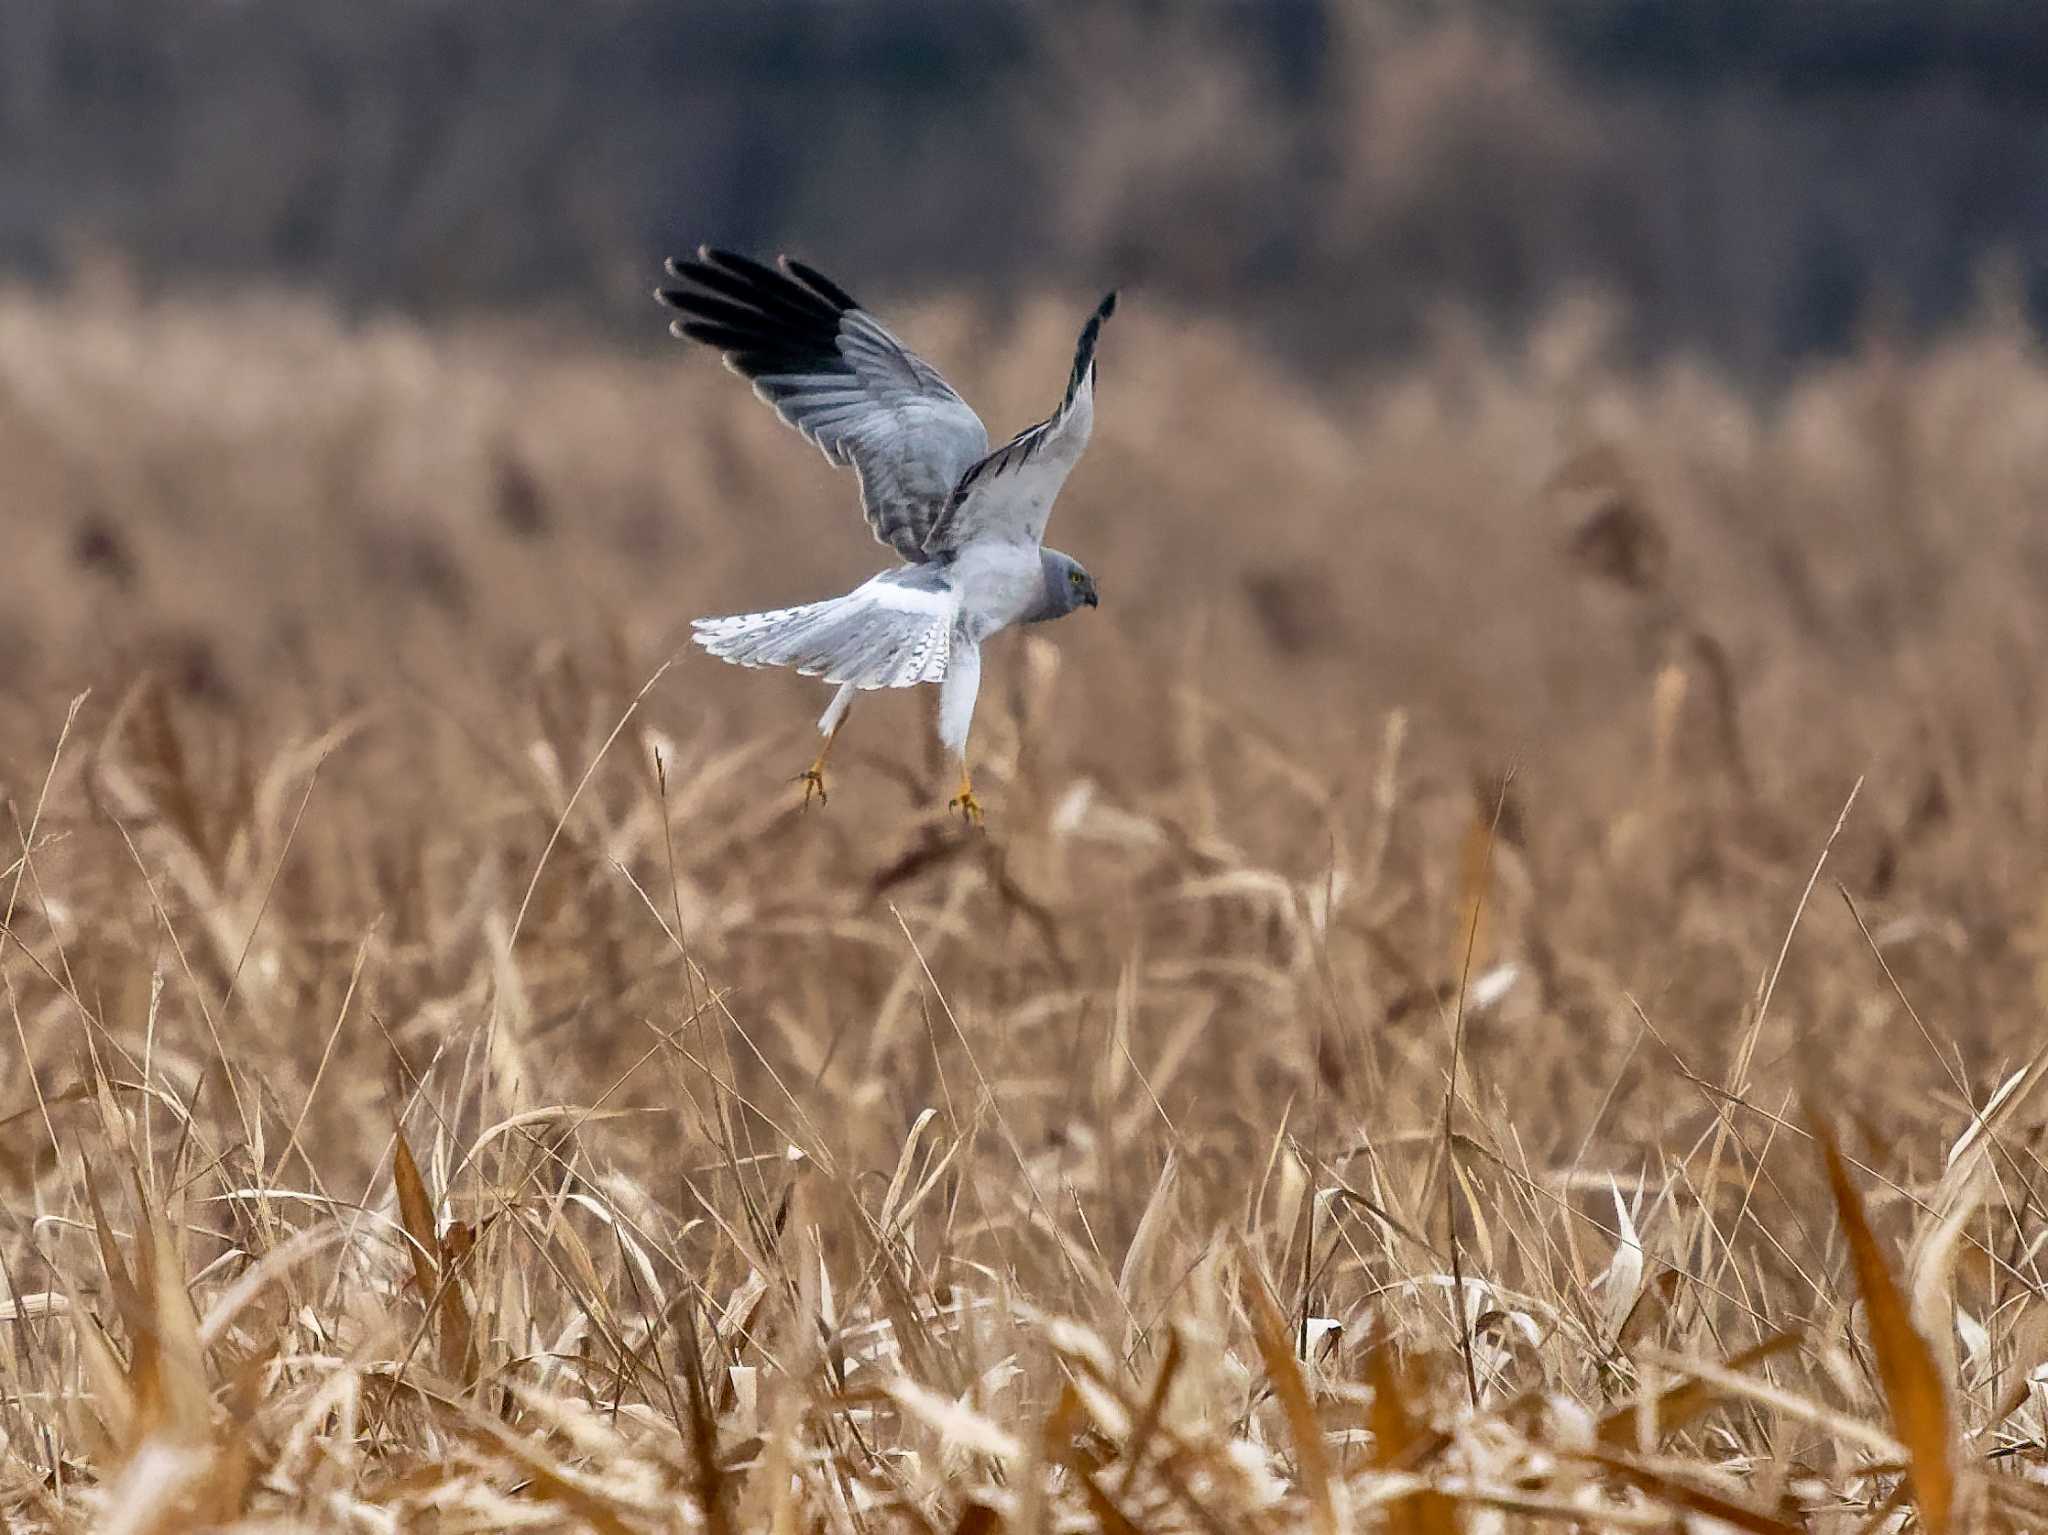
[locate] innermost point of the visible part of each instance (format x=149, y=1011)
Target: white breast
x=999, y=583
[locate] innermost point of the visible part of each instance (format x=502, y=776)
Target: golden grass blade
x=1931, y=1257
x=1469, y=938
x=589, y=1510
x=416, y=1213
x=159, y=1385
x=1055, y=1443
x=1155, y=1406
x=1151, y=1225
x=701, y=1437
x=1682, y=1403
x=1060, y=1443
x=548, y=1479
x=1395, y=1439
x=174, y=1339
x=1698, y=1500
x=2029, y=1348
x=1110, y=1519
x=433, y=1271
x=572, y=1116
x=1570, y=1513
x=1905, y=1364
x=1850, y=1431
x=120, y=1415
x=904, y=1162
x=227, y=1305
x=1651, y=1306
x=1276, y=1351
x=127, y=1297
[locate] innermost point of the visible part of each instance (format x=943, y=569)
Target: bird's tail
x=850, y=639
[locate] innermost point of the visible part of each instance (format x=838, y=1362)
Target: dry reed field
x=1501, y=988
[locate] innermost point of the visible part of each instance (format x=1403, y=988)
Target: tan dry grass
x=456, y=1090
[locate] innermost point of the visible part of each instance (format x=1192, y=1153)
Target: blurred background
x=1753, y=180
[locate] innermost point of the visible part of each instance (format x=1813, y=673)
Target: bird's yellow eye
x=1074, y=576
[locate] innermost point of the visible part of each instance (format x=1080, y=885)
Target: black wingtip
x=818, y=283
x=1084, y=350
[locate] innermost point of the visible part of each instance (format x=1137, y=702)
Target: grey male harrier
x=967, y=522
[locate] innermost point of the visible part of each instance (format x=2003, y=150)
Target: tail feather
x=850, y=639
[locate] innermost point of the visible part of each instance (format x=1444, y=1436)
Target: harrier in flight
x=969, y=523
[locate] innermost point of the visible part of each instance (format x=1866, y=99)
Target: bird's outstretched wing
x=1009, y=494
x=834, y=373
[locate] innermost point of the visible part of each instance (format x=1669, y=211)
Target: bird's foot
x=813, y=780
x=965, y=802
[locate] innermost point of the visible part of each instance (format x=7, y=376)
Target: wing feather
x=835, y=373
x=1009, y=493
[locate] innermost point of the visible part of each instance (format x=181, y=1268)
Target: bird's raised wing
x=834, y=373
x=1009, y=494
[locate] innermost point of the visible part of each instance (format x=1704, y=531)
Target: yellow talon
x=813, y=777
x=965, y=802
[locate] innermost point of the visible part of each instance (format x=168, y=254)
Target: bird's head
x=1067, y=586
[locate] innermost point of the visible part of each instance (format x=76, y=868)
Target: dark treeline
x=1752, y=177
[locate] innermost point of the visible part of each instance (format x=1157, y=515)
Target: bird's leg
x=830, y=723
x=965, y=802
x=813, y=777
x=956, y=714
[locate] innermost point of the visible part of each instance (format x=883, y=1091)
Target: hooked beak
x=1091, y=599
